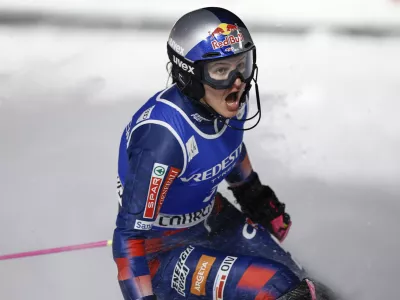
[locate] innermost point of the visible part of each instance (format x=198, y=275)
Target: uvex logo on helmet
x=176, y=47
x=182, y=65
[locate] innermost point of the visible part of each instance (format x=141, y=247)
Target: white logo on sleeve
x=191, y=147
x=143, y=225
x=120, y=190
x=145, y=115
x=211, y=195
x=222, y=276
x=181, y=272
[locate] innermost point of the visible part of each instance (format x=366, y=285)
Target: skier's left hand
x=260, y=204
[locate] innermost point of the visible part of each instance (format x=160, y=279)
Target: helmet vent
x=211, y=54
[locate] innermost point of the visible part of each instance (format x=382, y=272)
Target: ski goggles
x=219, y=73
x=222, y=73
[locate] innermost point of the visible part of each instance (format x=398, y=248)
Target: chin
x=229, y=114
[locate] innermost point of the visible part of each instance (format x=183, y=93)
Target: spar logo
x=181, y=272
x=222, y=276
x=156, y=180
x=225, y=35
x=159, y=170
x=200, y=275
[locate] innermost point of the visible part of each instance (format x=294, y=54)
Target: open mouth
x=232, y=101
x=232, y=97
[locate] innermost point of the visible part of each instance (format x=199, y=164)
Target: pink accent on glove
x=312, y=289
x=279, y=228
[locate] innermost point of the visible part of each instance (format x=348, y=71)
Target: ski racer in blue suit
x=176, y=237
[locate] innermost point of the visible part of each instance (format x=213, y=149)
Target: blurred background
x=73, y=72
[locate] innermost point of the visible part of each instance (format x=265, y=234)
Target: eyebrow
x=225, y=62
x=219, y=63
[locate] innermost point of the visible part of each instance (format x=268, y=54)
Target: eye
x=241, y=66
x=221, y=70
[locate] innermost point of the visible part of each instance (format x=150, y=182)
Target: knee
x=269, y=277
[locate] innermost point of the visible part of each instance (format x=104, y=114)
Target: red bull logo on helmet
x=226, y=30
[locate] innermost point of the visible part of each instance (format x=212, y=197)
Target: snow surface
x=328, y=143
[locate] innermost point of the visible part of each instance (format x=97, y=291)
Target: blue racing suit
x=175, y=236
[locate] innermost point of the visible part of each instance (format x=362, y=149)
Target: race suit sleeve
x=242, y=170
x=150, y=145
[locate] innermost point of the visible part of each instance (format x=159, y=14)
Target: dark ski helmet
x=206, y=35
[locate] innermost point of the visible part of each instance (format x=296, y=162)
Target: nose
x=238, y=82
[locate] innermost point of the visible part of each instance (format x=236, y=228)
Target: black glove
x=260, y=204
x=304, y=291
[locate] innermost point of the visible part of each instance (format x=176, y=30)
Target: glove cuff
x=249, y=189
x=151, y=297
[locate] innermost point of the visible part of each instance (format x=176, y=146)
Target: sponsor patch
x=156, y=180
x=143, y=225
x=249, y=234
x=145, y=115
x=128, y=130
x=181, y=272
x=172, y=174
x=200, y=275
x=219, y=171
x=228, y=40
x=199, y=118
x=222, y=276
x=191, y=147
x=120, y=190
x=225, y=35
x=183, y=221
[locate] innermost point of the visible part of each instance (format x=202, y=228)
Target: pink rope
x=56, y=250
